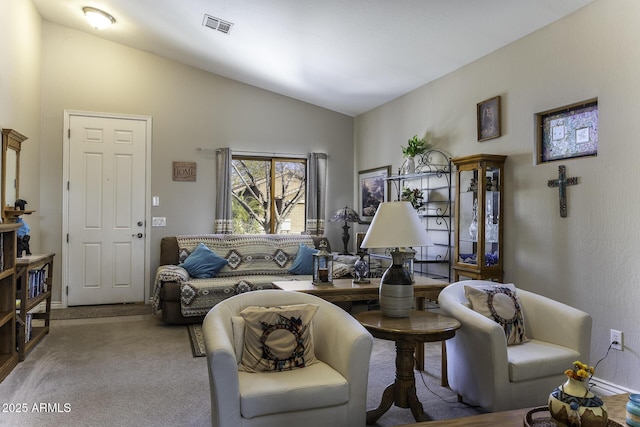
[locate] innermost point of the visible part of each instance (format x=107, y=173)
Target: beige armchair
x=331, y=392
x=484, y=371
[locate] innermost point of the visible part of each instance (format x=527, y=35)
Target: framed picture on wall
x=373, y=190
x=489, y=119
x=567, y=132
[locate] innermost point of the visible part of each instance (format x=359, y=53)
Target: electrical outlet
x=617, y=337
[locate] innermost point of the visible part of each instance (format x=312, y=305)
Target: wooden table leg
x=385, y=404
x=403, y=391
x=420, y=304
x=444, y=381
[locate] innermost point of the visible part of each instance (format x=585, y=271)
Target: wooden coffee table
x=515, y=418
x=424, y=288
x=407, y=333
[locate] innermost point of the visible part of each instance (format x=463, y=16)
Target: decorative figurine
x=361, y=269
x=19, y=205
x=23, y=238
x=489, y=183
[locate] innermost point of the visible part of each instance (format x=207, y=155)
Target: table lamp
x=396, y=225
x=347, y=215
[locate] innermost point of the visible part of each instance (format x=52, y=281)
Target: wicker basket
x=547, y=421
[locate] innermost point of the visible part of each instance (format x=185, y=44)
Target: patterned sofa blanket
x=255, y=261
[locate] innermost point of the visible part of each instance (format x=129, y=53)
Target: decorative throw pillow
x=500, y=303
x=277, y=338
x=203, y=263
x=340, y=270
x=303, y=263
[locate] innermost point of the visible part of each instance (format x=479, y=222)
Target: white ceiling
x=345, y=55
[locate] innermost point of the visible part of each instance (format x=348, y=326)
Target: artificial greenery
x=414, y=147
x=413, y=196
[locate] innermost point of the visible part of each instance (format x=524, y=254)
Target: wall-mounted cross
x=561, y=183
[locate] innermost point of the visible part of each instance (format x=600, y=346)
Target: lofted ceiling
x=349, y=56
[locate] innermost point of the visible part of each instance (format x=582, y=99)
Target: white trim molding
x=605, y=388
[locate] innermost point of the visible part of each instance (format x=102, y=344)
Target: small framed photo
x=567, y=132
x=489, y=119
x=374, y=189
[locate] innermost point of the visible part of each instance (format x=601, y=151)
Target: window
x=268, y=195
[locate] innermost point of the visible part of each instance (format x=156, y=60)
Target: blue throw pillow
x=303, y=263
x=203, y=263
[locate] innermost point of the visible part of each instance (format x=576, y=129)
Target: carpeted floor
x=95, y=311
x=134, y=370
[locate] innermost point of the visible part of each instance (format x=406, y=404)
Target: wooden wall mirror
x=10, y=186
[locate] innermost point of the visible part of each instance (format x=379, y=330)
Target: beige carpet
x=136, y=371
x=93, y=311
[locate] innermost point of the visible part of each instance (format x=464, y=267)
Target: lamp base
x=396, y=292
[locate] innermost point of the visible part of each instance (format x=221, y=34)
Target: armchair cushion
x=317, y=386
x=537, y=359
x=203, y=263
x=500, y=303
x=277, y=338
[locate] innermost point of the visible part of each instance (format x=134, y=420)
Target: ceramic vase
x=633, y=410
x=573, y=405
x=410, y=166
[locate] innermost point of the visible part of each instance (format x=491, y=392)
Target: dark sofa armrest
x=169, y=251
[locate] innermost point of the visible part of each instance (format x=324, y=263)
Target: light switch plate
x=155, y=201
x=159, y=221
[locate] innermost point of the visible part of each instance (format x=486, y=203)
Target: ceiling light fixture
x=97, y=18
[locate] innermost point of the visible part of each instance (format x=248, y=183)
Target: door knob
x=139, y=235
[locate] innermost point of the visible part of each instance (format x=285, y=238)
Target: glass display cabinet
x=478, y=217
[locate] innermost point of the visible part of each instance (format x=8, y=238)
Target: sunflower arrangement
x=580, y=371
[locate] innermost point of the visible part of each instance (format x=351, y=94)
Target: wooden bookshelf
x=8, y=352
x=33, y=279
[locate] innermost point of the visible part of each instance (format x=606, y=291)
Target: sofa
x=253, y=262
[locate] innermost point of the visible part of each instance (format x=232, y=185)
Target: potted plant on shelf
x=413, y=196
x=414, y=147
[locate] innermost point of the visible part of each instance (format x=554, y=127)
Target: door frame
x=66, y=165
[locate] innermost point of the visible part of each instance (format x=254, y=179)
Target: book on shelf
x=37, y=282
x=28, y=327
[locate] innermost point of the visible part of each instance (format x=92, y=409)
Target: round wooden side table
x=406, y=332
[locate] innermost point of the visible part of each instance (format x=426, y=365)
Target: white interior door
x=106, y=210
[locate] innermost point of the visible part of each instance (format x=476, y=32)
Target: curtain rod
x=255, y=153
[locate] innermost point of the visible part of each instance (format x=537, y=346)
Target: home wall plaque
x=567, y=132
x=184, y=171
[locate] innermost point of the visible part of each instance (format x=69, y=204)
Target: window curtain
x=223, y=222
x=316, y=193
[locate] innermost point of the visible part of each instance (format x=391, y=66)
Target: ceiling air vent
x=217, y=24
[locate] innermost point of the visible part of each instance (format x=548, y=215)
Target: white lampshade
x=396, y=225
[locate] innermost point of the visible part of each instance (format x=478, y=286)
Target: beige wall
x=190, y=108
x=589, y=259
x=20, y=94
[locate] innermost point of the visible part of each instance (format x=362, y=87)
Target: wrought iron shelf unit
x=433, y=179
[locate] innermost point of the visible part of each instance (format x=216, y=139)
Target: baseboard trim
x=55, y=305
x=605, y=388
